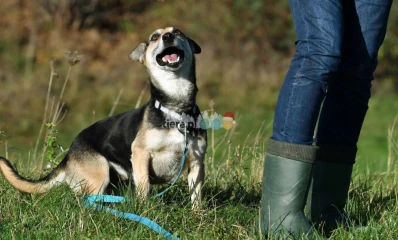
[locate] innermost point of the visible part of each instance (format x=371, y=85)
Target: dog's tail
x=22, y=184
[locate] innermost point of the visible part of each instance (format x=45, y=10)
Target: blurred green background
x=246, y=49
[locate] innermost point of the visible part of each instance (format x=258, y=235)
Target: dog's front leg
x=140, y=162
x=196, y=178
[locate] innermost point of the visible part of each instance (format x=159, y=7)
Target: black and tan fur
x=135, y=145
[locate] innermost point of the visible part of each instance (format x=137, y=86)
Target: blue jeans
x=330, y=75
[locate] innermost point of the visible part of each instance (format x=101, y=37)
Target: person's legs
x=344, y=110
x=288, y=165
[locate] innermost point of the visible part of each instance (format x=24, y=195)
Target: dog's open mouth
x=171, y=57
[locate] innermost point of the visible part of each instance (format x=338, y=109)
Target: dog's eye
x=155, y=37
x=177, y=32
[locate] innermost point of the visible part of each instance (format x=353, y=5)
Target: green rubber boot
x=286, y=179
x=331, y=177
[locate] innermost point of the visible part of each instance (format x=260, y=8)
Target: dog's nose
x=168, y=37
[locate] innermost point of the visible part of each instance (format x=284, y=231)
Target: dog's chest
x=166, y=149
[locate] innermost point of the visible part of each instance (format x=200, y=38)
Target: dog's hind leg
x=88, y=174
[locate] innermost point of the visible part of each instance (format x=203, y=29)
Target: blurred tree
x=103, y=14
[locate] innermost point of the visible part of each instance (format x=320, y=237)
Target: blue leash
x=91, y=201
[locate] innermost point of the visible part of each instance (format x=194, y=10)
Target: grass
x=230, y=211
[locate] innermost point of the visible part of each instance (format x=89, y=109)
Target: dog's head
x=168, y=49
x=169, y=58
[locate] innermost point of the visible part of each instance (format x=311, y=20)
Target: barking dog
x=137, y=145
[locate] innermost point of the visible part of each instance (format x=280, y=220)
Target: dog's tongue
x=170, y=58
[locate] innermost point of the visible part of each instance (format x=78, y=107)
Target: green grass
x=230, y=211
x=373, y=142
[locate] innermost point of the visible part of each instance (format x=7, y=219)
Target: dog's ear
x=194, y=46
x=138, y=53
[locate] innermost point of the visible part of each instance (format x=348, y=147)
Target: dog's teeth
x=174, y=61
x=172, y=58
